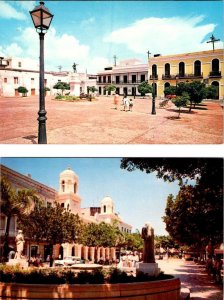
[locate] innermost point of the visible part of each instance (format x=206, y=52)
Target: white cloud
x=7, y=11
x=59, y=49
x=88, y=22
x=163, y=35
x=26, y=5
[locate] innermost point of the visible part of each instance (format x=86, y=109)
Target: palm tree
x=14, y=202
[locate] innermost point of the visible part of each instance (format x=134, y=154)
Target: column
x=113, y=254
x=86, y=248
x=103, y=253
x=98, y=254
x=92, y=254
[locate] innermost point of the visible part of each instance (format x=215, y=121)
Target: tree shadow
x=182, y=111
x=31, y=138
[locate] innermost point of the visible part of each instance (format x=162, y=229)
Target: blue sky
x=138, y=197
x=90, y=33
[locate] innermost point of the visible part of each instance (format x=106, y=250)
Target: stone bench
x=185, y=294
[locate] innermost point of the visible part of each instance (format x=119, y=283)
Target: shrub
x=22, y=90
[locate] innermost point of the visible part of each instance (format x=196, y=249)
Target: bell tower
x=68, y=191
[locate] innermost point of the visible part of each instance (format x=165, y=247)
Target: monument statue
x=19, y=244
x=148, y=249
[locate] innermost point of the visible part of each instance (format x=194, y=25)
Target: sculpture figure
x=148, y=249
x=19, y=244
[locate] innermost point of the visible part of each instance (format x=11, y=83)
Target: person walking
x=116, y=100
x=126, y=103
x=130, y=104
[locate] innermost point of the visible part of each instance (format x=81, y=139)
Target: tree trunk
x=190, y=107
x=179, y=113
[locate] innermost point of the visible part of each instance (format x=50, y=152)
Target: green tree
x=14, y=202
x=23, y=90
x=133, y=241
x=170, y=90
x=54, y=224
x=181, y=101
x=144, y=88
x=196, y=90
x=61, y=86
x=201, y=203
x=99, y=235
x=91, y=89
x=110, y=88
x=46, y=89
x=212, y=92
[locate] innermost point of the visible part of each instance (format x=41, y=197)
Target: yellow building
x=206, y=66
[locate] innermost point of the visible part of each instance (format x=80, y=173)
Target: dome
x=107, y=200
x=68, y=173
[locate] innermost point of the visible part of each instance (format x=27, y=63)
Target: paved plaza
x=97, y=122
x=193, y=277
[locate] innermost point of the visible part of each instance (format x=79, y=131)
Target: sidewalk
x=97, y=122
x=193, y=277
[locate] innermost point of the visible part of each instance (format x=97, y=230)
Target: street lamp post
x=153, y=89
x=42, y=18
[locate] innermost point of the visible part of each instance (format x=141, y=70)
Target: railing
x=215, y=74
x=122, y=82
x=154, y=77
x=167, y=77
x=190, y=75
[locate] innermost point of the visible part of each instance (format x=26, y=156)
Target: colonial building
x=126, y=76
x=69, y=199
x=205, y=66
x=16, y=72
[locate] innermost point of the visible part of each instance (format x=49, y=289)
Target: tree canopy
x=22, y=90
x=53, y=224
x=194, y=216
x=14, y=202
x=144, y=88
x=61, y=86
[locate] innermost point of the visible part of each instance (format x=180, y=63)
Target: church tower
x=107, y=206
x=68, y=191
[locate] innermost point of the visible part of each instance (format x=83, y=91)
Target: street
x=193, y=277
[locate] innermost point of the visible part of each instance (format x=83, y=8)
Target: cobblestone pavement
x=193, y=277
x=97, y=122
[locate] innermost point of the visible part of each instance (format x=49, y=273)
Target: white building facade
x=16, y=72
x=126, y=76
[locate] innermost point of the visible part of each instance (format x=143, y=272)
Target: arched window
x=215, y=65
x=181, y=69
x=197, y=68
x=63, y=185
x=167, y=69
x=104, y=208
x=167, y=84
x=154, y=70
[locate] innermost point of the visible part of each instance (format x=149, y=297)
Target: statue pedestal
x=149, y=268
x=18, y=261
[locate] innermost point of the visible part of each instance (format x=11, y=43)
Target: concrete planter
x=155, y=290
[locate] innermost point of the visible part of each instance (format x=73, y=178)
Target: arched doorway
x=167, y=70
x=167, y=84
x=216, y=84
x=181, y=69
x=215, y=65
x=73, y=251
x=197, y=68
x=154, y=71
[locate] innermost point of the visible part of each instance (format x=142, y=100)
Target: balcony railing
x=168, y=77
x=215, y=74
x=121, y=82
x=153, y=77
x=190, y=76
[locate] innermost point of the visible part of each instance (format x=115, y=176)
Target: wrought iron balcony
x=215, y=74
x=185, y=76
x=121, y=82
x=154, y=77
x=168, y=77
